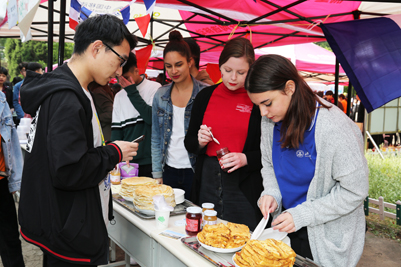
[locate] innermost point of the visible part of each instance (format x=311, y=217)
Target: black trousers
x=51, y=261
x=300, y=243
x=10, y=245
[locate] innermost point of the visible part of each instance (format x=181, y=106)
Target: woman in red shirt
x=234, y=184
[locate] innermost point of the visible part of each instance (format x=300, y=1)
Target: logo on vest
x=244, y=108
x=300, y=154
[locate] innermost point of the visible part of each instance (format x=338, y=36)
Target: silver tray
x=225, y=259
x=179, y=209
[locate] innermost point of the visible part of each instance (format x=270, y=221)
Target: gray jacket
x=333, y=210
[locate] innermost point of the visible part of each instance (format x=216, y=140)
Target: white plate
x=179, y=195
x=220, y=250
x=234, y=261
x=146, y=212
x=128, y=198
x=269, y=233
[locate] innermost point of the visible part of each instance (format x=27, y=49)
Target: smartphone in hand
x=139, y=139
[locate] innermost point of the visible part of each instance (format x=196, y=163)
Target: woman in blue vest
x=315, y=175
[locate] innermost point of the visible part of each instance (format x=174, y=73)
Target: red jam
x=193, y=221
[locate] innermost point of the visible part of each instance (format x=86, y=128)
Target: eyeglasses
x=124, y=60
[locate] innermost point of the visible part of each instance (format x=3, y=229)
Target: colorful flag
x=78, y=13
x=369, y=50
x=143, y=22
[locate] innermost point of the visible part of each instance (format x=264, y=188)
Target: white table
x=140, y=239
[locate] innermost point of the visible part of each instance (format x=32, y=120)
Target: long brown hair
x=272, y=72
x=237, y=47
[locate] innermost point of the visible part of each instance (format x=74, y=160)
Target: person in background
x=132, y=113
x=116, y=87
x=202, y=76
x=329, y=96
x=6, y=87
x=103, y=97
x=16, y=103
x=359, y=113
x=11, y=162
x=233, y=184
x=65, y=202
x=24, y=67
x=16, y=80
x=341, y=98
x=171, y=112
x=315, y=175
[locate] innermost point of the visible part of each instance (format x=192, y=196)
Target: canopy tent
x=267, y=23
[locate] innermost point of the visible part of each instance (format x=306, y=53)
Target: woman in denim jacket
x=171, y=111
x=10, y=181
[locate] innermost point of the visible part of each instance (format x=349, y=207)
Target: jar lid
x=194, y=210
x=208, y=205
x=210, y=213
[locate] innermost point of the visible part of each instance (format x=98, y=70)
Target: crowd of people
x=291, y=154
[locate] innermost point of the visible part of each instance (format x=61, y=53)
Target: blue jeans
x=179, y=178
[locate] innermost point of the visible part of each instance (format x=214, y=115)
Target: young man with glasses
x=65, y=201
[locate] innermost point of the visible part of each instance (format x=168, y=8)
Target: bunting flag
x=78, y=13
x=369, y=51
x=143, y=22
x=142, y=56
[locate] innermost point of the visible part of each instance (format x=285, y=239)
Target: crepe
x=128, y=185
x=269, y=252
x=227, y=236
x=143, y=195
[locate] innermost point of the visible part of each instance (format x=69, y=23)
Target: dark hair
x=342, y=96
x=16, y=80
x=3, y=71
x=329, y=93
x=195, y=50
x=177, y=44
x=131, y=62
x=320, y=93
x=34, y=66
x=237, y=47
x=272, y=72
x=22, y=65
x=107, y=28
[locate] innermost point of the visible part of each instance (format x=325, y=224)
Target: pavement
x=378, y=251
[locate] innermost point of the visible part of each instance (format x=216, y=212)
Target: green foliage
x=325, y=45
x=385, y=177
x=31, y=51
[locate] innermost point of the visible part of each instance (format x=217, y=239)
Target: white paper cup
x=161, y=217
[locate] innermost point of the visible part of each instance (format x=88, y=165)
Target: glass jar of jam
x=220, y=153
x=193, y=221
x=210, y=217
x=205, y=207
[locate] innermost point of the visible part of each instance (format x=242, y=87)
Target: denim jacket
x=162, y=124
x=10, y=146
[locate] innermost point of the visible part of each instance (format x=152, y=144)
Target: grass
x=385, y=181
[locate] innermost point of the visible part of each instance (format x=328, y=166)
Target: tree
x=31, y=51
x=325, y=45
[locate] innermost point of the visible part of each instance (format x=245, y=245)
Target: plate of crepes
x=143, y=197
x=224, y=238
x=128, y=186
x=269, y=252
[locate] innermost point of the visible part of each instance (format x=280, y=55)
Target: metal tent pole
x=50, y=20
x=349, y=98
x=61, y=39
x=337, y=76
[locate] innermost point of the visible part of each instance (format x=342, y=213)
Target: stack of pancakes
x=143, y=195
x=128, y=185
x=227, y=236
x=269, y=252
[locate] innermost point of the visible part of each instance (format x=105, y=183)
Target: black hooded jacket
x=60, y=207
